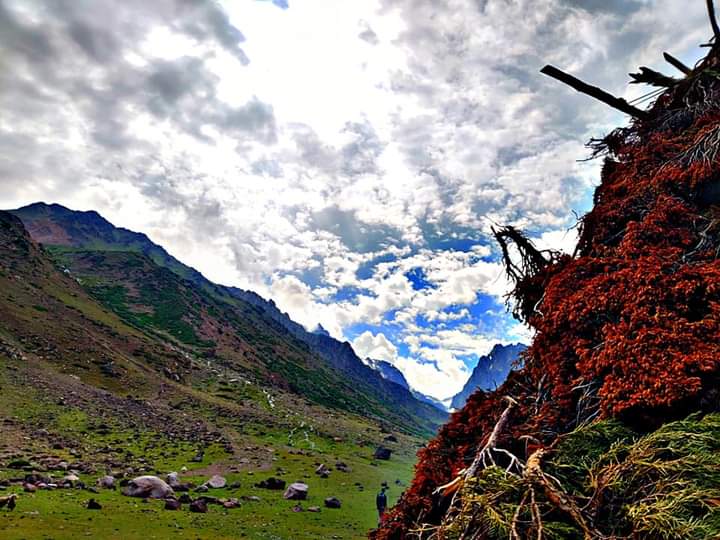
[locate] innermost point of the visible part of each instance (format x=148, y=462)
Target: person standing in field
x=381, y=503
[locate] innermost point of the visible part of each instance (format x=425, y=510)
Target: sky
x=345, y=158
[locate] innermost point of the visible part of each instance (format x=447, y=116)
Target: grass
x=61, y=514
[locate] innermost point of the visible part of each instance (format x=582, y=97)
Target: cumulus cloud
x=345, y=159
x=375, y=346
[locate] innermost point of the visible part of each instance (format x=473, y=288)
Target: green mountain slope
x=155, y=293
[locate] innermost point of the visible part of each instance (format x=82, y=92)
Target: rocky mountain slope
x=391, y=373
x=490, y=371
x=611, y=428
x=154, y=292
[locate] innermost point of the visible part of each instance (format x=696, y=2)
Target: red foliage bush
x=630, y=327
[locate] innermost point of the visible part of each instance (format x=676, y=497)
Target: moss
x=664, y=485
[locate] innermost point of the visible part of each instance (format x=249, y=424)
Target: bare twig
x=713, y=19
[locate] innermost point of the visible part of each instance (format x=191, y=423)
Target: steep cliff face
x=627, y=339
x=490, y=371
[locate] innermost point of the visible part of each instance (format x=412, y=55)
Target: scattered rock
x=382, y=453
x=297, y=491
x=172, y=480
x=232, y=503
x=391, y=438
x=297, y=508
x=342, y=467
x=185, y=499
x=107, y=482
x=148, y=486
x=8, y=501
x=332, y=502
x=70, y=479
x=271, y=483
x=198, y=506
x=201, y=489
x=313, y=509
x=172, y=504
x=29, y=488
x=92, y=504
x=217, y=482
x=252, y=498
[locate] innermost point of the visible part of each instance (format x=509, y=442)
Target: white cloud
x=375, y=346
x=357, y=132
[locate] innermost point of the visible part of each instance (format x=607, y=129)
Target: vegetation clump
x=626, y=341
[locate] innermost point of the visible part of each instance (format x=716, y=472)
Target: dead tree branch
x=593, y=91
x=677, y=64
x=713, y=19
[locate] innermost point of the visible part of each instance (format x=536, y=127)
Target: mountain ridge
x=83, y=233
x=490, y=372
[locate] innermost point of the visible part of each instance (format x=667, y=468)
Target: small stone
x=217, y=482
x=172, y=504
x=92, y=504
x=271, y=483
x=107, y=482
x=313, y=509
x=296, y=491
x=332, y=502
x=198, y=506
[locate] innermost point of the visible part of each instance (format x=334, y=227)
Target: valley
x=113, y=365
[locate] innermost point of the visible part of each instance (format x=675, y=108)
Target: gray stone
x=148, y=487
x=297, y=491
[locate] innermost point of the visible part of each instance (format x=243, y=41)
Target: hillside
x=490, y=371
x=154, y=292
x=90, y=391
x=611, y=428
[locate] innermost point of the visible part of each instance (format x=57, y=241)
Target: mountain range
x=155, y=293
x=490, y=371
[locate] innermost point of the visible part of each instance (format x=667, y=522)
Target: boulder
x=382, y=453
x=198, y=506
x=332, y=502
x=297, y=491
x=271, y=483
x=217, y=482
x=185, y=499
x=70, y=479
x=148, y=487
x=173, y=480
x=107, y=482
